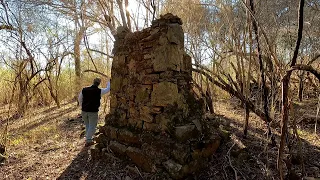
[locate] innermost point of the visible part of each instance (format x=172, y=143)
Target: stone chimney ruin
x=155, y=117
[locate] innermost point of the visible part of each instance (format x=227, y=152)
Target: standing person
x=89, y=99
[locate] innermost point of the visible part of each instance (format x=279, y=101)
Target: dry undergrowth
x=45, y=144
x=253, y=157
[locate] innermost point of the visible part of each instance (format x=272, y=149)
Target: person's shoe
x=89, y=144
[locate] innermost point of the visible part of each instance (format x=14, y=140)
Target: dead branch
x=103, y=53
x=229, y=159
x=7, y=27
x=97, y=72
x=305, y=68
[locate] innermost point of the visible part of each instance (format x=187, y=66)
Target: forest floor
x=48, y=144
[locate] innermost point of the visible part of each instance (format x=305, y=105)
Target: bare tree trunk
x=262, y=70
x=77, y=59
x=285, y=89
x=209, y=100
x=300, y=90
x=247, y=80
x=128, y=14
x=123, y=18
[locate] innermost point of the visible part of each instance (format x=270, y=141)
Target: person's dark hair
x=97, y=81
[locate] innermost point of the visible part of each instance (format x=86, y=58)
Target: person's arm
x=105, y=90
x=80, y=98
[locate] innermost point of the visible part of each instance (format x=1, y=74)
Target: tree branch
x=7, y=27
x=304, y=67
x=97, y=72
x=103, y=53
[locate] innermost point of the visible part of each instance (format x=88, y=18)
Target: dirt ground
x=48, y=144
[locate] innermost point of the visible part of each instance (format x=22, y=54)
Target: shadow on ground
x=83, y=167
x=248, y=158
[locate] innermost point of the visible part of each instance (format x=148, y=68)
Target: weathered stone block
x=119, y=62
x=135, y=123
x=181, y=154
x=151, y=127
x=140, y=159
x=113, y=101
x=163, y=41
x=118, y=148
x=142, y=95
x=102, y=139
x=173, y=168
x=122, y=103
x=158, y=155
x=168, y=57
x=192, y=167
x=127, y=136
x=95, y=152
x=148, y=71
x=208, y=149
x=121, y=117
x=142, y=65
x=164, y=93
x=175, y=34
x=132, y=67
x=163, y=121
x=156, y=110
x=116, y=84
x=110, y=132
x=147, y=56
x=197, y=122
x=133, y=112
x=187, y=64
x=184, y=133
x=167, y=75
x=145, y=114
x=150, y=79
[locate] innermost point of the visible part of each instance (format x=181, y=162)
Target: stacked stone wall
x=155, y=118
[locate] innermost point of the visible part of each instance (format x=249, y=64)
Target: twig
x=318, y=108
x=97, y=72
x=228, y=153
x=103, y=53
x=243, y=176
x=225, y=173
x=116, y=176
x=138, y=172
